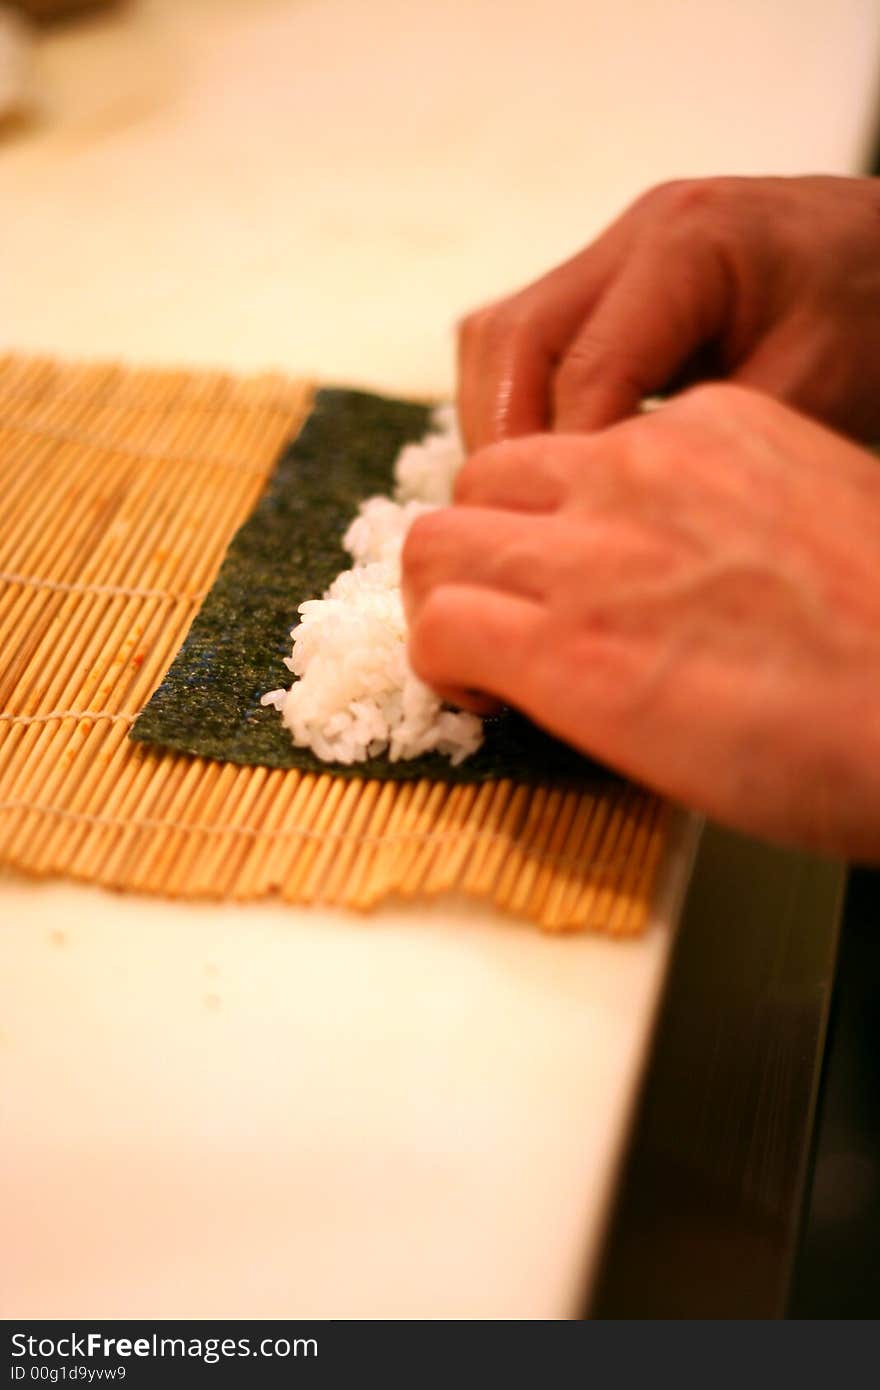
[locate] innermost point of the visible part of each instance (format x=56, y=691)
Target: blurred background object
x=15, y=63
x=54, y=9
x=837, y=1274
x=18, y=83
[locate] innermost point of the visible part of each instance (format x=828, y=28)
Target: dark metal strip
x=711, y=1197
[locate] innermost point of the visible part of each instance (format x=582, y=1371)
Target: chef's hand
x=691, y=596
x=772, y=283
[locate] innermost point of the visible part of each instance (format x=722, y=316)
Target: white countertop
x=261, y=1111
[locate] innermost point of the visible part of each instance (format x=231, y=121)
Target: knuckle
x=488, y=334
x=518, y=313
x=487, y=320
x=713, y=399
x=689, y=197
x=628, y=467
x=660, y=197
x=582, y=365
x=592, y=361
x=476, y=473
x=660, y=192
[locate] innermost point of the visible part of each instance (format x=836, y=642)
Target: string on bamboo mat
x=122, y=490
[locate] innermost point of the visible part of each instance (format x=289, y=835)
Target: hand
x=692, y=596
x=772, y=283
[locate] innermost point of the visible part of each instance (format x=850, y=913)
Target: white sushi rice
x=356, y=696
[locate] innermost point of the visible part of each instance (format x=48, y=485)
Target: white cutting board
x=266, y=1111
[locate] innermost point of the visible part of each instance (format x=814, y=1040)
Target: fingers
x=471, y=700
x=522, y=475
x=479, y=548
x=492, y=555
x=811, y=367
x=669, y=299
x=503, y=373
x=582, y=346
x=545, y=474
x=509, y=350
x=477, y=639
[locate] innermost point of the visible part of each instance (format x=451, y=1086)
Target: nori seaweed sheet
x=289, y=550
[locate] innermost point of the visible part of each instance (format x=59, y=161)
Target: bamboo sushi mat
x=120, y=491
